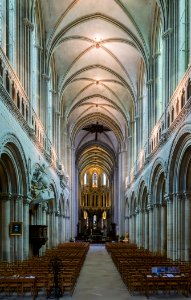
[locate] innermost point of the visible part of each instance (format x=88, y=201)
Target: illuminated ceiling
x=98, y=47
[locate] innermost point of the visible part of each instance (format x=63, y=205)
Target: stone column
x=169, y=225
x=157, y=232
x=150, y=216
x=146, y=240
x=137, y=227
x=73, y=209
x=151, y=114
x=140, y=228
x=48, y=244
x=174, y=226
x=19, y=239
x=163, y=229
x=130, y=228
x=67, y=228
x=134, y=228
x=5, y=199
x=122, y=173
x=26, y=203
x=187, y=220
x=63, y=228
x=167, y=68
x=28, y=28
x=179, y=227
x=56, y=216
x=51, y=232
x=127, y=225
x=44, y=222
x=155, y=227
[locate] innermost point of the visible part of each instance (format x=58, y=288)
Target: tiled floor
x=99, y=279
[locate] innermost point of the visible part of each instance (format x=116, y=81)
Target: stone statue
x=126, y=239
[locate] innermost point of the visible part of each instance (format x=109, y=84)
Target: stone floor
x=99, y=279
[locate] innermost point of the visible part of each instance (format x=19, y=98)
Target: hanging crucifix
x=96, y=128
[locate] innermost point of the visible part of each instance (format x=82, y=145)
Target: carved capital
x=150, y=206
x=167, y=33
x=168, y=198
x=38, y=47
x=149, y=82
x=5, y=196
x=45, y=77
x=28, y=24
x=180, y=196
x=57, y=213
x=156, y=55
x=187, y=196
x=52, y=91
x=27, y=200
x=44, y=207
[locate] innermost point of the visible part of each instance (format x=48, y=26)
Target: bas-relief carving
x=40, y=186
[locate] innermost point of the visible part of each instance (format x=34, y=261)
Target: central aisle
x=99, y=278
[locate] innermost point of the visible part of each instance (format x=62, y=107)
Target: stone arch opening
x=13, y=201
x=158, y=212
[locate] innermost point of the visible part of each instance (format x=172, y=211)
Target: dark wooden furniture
x=18, y=284
x=166, y=283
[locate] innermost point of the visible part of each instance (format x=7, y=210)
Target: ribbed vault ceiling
x=98, y=47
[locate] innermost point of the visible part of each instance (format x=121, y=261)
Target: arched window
x=189, y=89
x=18, y=101
x=94, y=180
x=177, y=107
x=85, y=179
x=182, y=99
x=104, y=179
x=94, y=222
x=172, y=115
